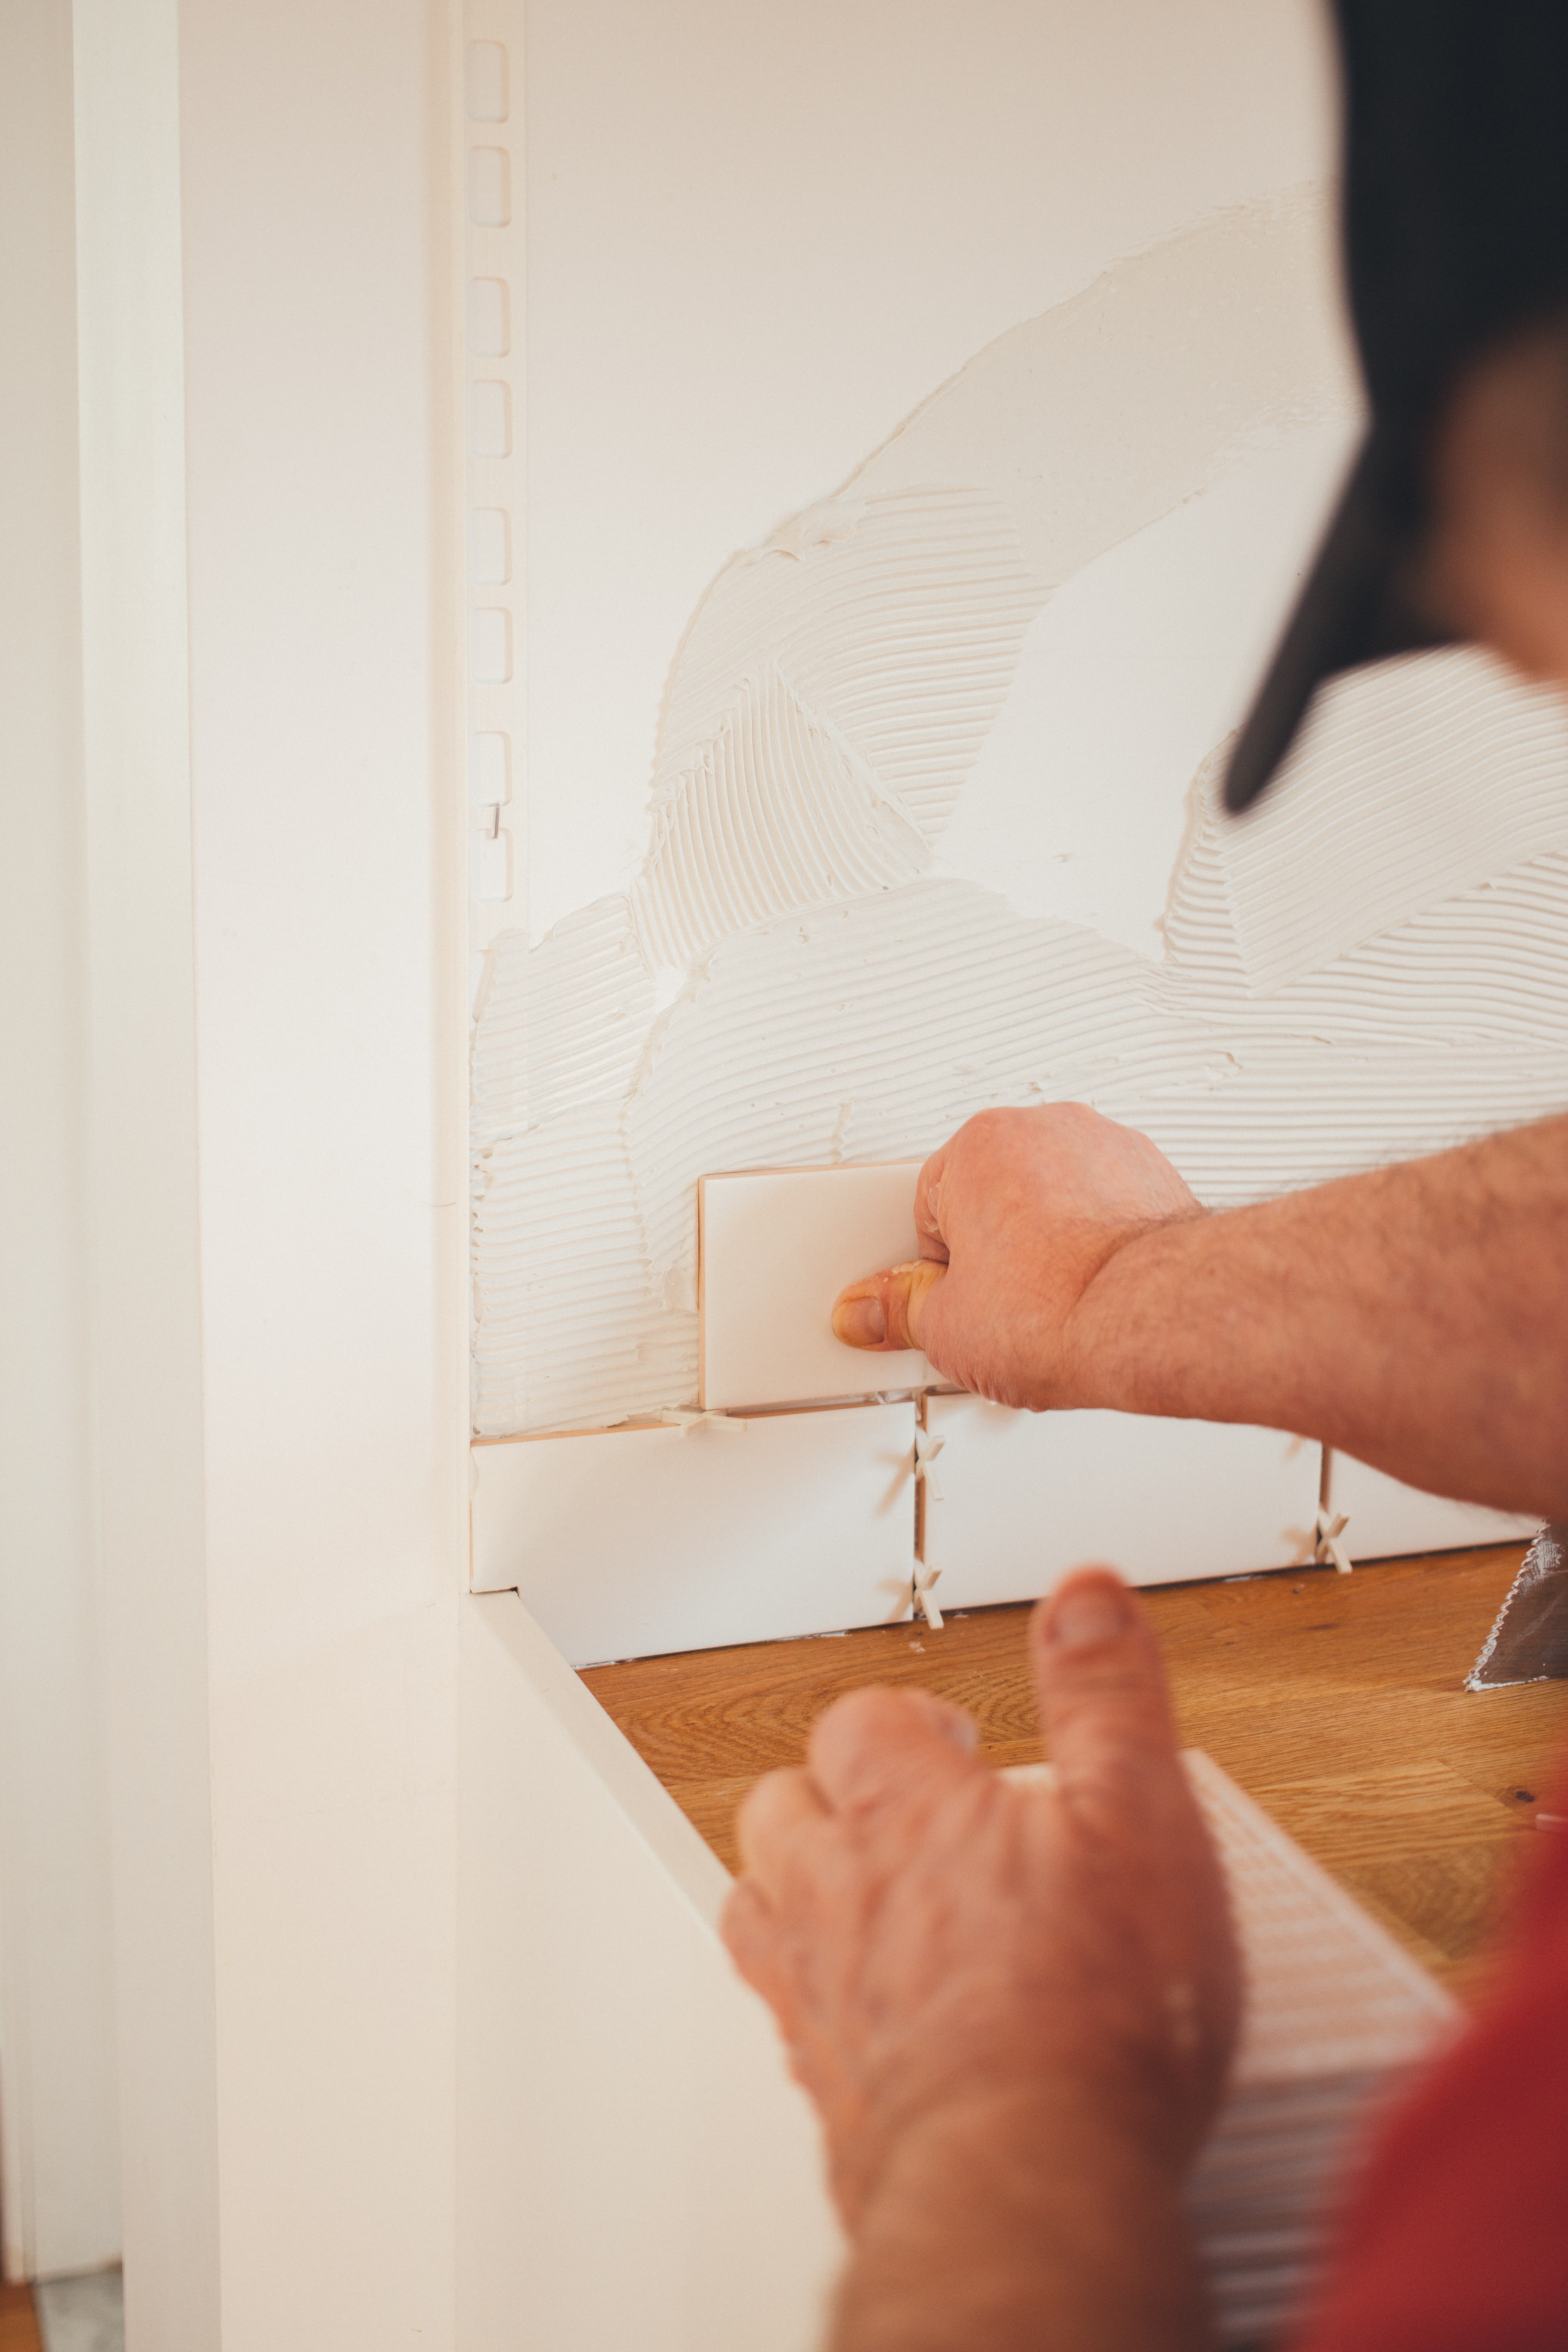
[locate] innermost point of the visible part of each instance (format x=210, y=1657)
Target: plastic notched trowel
x=1529, y=1642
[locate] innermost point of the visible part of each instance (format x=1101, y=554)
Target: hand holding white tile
x=1015, y=1216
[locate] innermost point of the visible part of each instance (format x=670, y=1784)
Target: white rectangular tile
x=1387, y=1519
x=1014, y=1499
x=777, y=1245
x=626, y=1542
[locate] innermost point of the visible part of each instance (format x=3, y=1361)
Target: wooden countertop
x=1336, y=1701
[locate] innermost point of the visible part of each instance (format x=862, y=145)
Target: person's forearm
x=1416, y=1315
x=1007, y=2232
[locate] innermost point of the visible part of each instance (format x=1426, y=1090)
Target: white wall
x=59, y=2176
x=144, y=1202
x=840, y=826
x=924, y=421
x=326, y=813
x=277, y=1025
x=759, y=239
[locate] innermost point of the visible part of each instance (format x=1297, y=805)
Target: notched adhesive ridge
x=776, y=811
x=1411, y=780
x=568, y=1331
x=562, y=1022
x=1341, y=985
x=897, y=618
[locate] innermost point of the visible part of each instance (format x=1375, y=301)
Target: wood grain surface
x=18, y=2326
x=1336, y=1701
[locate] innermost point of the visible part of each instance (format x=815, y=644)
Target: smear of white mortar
x=1410, y=781
x=1487, y=963
x=774, y=810
x=1137, y=665
x=915, y=1008
x=560, y=1023
x=569, y=1331
x=872, y=1028
x=898, y=617
x=1011, y=1010
x=1100, y=415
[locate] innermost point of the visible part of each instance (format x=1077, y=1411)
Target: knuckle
x=1122, y=1709
x=867, y=1745
x=756, y=1803
x=920, y=1286
x=747, y=1929
x=953, y=1724
x=746, y=1916
x=1117, y=1736
x=769, y=1811
x=862, y=1718
x=897, y=1290
x=1074, y=1115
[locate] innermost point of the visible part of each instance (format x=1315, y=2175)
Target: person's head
x=1494, y=565
x=1454, y=522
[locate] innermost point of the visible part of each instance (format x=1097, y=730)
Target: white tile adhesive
x=1370, y=966
x=1453, y=735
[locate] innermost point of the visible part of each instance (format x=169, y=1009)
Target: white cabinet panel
x=1386, y=1518
x=1014, y=1499
x=637, y=2168
x=778, y=1245
x=624, y=1542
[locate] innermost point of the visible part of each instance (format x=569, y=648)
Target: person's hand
x=1015, y=1216
x=951, y=1953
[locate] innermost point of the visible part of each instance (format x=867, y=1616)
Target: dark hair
x=1455, y=218
x=1456, y=197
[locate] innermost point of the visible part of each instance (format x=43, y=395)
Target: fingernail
x=1097, y=1614
x=859, y=1322
x=954, y=1724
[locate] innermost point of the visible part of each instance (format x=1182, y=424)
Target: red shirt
x=1458, y=2238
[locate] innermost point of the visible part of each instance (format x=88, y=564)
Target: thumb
x=1105, y=1707
x=887, y=1310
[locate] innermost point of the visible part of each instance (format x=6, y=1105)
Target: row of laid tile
x=1014, y=1500
x=632, y=1541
